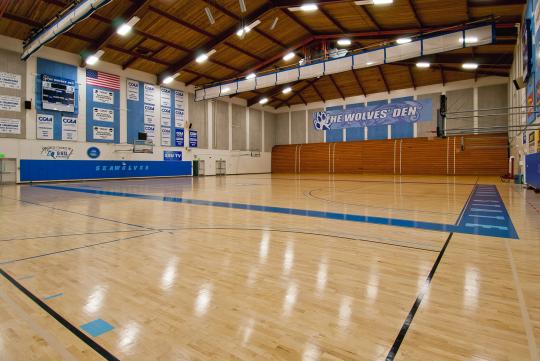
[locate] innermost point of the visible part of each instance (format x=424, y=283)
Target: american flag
x=104, y=80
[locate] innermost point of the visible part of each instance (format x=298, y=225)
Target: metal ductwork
x=418, y=47
x=65, y=21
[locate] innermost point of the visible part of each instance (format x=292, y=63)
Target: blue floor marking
x=479, y=219
x=97, y=327
x=52, y=296
x=430, y=226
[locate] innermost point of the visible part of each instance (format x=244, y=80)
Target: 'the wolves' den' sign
x=406, y=111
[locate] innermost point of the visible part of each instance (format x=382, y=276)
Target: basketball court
x=348, y=218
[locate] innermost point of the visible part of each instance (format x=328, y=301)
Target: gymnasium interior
x=286, y=180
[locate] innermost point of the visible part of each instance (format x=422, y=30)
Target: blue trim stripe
x=430, y=226
x=485, y=214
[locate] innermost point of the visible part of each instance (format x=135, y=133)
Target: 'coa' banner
x=405, y=111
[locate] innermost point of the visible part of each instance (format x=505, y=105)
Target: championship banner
x=406, y=111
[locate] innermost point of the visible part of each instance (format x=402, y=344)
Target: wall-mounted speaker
x=27, y=104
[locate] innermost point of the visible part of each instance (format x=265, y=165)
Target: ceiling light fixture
x=470, y=66
x=246, y=29
x=125, y=28
x=382, y=2
x=344, y=42
x=423, y=64
x=287, y=90
x=309, y=7
x=468, y=40
x=210, y=16
x=403, y=40
x=94, y=58
x=251, y=76
x=274, y=23
x=242, y=6
x=169, y=79
x=289, y=56
x=263, y=101
x=204, y=57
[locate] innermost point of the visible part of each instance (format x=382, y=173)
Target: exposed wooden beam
x=179, y=21
x=489, y=3
x=133, y=59
x=443, y=78
x=318, y=92
x=411, y=76
x=301, y=98
x=293, y=93
x=3, y=6
x=136, y=7
x=358, y=82
x=232, y=15
x=412, y=5
x=336, y=86
x=381, y=74
x=297, y=20
x=332, y=19
x=213, y=42
x=480, y=71
x=367, y=13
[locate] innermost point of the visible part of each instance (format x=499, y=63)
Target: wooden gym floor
x=271, y=267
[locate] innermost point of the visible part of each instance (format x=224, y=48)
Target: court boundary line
x=70, y=235
x=335, y=216
x=527, y=324
x=309, y=194
x=76, y=248
x=52, y=340
x=215, y=228
x=80, y=214
x=416, y=305
x=69, y=326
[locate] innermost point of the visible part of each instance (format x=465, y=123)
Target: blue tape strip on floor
x=52, y=296
x=97, y=327
x=485, y=214
x=430, y=226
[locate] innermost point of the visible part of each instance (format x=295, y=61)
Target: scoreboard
x=58, y=94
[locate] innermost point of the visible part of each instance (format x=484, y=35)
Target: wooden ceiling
x=171, y=33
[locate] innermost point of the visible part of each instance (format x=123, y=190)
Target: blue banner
x=193, y=138
x=49, y=170
x=179, y=137
x=406, y=111
x=172, y=155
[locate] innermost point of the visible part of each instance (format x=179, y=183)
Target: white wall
x=30, y=148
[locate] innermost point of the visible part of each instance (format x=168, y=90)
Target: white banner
x=179, y=99
x=165, y=116
x=10, y=104
x=103, y=96
x=10, y=126
x=165, y=97
x=9, y=80
x=103, y=133
x=102, y=114
x=149, y=93
x=132, y=90
x=179, y=118
x=149, y=114
x=44, y=124
x=150, y=130
x=166, y=136
x=69, y=128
